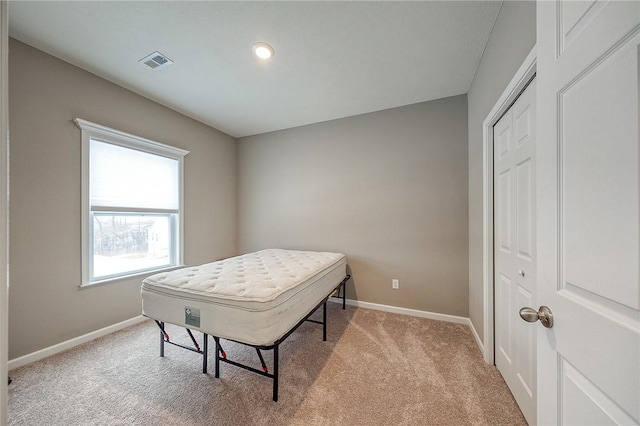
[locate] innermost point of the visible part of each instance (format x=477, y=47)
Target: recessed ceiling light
x=263, y=50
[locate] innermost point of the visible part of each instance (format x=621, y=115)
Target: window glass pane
x=125, y=243
x=124, y=177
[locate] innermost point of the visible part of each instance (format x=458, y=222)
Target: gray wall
x=388, y=189
x=46, y=94
x=394, y=190
x=512, y=38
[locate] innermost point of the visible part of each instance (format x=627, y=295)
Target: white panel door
x=514, y=246
x=588, y=221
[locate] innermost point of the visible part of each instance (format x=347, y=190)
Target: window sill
x=129, y=276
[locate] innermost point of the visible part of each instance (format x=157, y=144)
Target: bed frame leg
x=205, y=348
x=275, y=373
x=324, y=321
x=344, y=294
x=344, y=291
x=161, y=324
x=217, y=340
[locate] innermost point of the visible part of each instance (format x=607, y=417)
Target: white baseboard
x=405, y=311
x=476, y=336
x=415, y=313
x=51, y=350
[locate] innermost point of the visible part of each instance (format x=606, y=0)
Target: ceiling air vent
x=156, y=60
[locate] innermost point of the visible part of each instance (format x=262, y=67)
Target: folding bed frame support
x=341, y=291
x=222, y=356
x=164, y=338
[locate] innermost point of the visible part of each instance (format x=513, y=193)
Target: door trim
x=517, y=84
x=4, y=207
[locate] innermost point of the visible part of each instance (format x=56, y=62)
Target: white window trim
x=96, y=131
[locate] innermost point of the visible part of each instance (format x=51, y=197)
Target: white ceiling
x=333, y=59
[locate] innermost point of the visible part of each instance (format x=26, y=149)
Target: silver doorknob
x=521, y=272
x=543, y=314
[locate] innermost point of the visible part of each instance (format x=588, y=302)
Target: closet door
x=515, y=247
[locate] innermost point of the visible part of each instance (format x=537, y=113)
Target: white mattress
x=255, y=298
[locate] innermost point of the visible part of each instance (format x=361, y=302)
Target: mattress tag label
x=192, y=316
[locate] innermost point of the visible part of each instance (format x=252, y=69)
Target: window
x=131, y=204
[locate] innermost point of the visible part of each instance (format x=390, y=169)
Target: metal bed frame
x=222, y=356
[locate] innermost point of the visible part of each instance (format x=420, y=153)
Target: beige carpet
x=375, y=369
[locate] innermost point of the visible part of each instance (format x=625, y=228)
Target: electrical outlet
x=395, y=284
